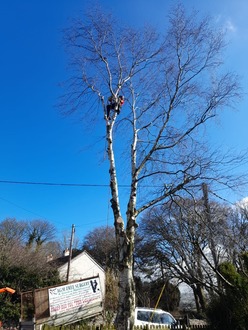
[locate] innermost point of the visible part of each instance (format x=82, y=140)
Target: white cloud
x=243, y=203
x=229, y=26
x=226, y=24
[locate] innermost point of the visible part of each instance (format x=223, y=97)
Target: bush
x=229, y=309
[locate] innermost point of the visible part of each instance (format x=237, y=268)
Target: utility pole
x=70, y=252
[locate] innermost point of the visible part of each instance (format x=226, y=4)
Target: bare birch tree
x=179, y=237
x=173, y=83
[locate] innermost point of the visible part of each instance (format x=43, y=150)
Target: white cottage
x=82, y=266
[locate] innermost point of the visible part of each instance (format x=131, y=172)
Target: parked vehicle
x=151, y=316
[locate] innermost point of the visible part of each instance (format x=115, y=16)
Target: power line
x=90, y=185
x=58, y=184
x=102, y=221
x=70, y=184
x=20, y=207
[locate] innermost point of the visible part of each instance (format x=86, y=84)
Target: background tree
x=111, y=296
x=11, y=240
x=21, y=267
x=65, y=241
x=12, y=230
x=38, y=232
x=101, y=244
x=173, y=83
x=228, y=310
x=181, y=241
x=238, y=230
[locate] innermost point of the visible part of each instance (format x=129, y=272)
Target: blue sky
x=39, y=145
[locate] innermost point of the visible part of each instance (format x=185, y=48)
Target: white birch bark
x=124, y=239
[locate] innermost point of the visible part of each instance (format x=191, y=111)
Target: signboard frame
x=74, y=296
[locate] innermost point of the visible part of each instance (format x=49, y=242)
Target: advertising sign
x=74, y=296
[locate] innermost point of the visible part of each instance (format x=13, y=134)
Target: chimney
x=66, y=252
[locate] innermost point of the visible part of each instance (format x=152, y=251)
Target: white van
x=151, y=316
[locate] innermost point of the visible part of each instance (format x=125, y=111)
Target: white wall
x=81, y=267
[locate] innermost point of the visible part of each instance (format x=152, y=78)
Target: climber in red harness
x=114, y=105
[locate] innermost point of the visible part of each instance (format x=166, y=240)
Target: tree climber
x=114, y=105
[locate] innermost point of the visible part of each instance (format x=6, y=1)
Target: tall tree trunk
x=201, y=298
x=125, y=245
x=126, y=302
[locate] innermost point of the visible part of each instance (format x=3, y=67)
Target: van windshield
x=154, y=317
